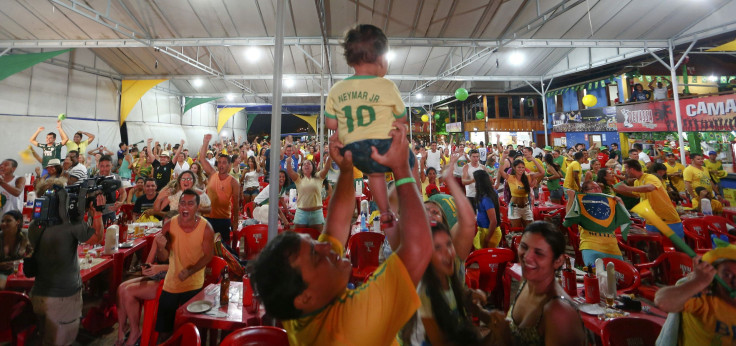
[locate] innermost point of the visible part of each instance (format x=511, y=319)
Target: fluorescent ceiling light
x=253, y=54
x=288, y=82
x=516, y=59
x=230, y=97
x=390, y=56
x=197, y=83
x=419, y=96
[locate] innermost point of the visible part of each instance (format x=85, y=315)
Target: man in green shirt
x=51, y=149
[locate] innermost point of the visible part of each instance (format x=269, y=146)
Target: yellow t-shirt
x=365, y=107
x=715, y=205
x=531, y=166
x=81, y=148
x=716, y=170
x=570, y=183
x=309, y=192
x=677, y=182
x=186, y=250
x=697, y=177
x=708, y=320
x=372, y=314
x=601, y=242
x=659, y=199
x=516, y=187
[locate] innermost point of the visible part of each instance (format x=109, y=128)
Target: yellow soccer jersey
x=698, y=177
x=601, y=242
x=659, y=199
x=708, y=320
x=570, y=183
x=716, y=170
x=364, y=107
x=372, y=314
x=677, y=182
x=531, y=166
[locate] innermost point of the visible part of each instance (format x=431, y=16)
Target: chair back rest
x=314, y=233
x=650, y=243
x=491, y=264
x=718, y=223
x=248, y=209
x=627, y=277
x=16, y=313
x=364, y=248
x=213, y=270
x=256, y=237
x=257, y=336
x=676, y=265
x=186, y=335
x=700, y=229
x=628, y=331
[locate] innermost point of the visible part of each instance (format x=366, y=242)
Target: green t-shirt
x=50, y=152
x=448, y=207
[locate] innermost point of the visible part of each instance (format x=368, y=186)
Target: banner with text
x=586, y=120
x=715, y=113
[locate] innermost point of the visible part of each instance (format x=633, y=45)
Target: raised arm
x=415, y=249
x=14, y=190
x=325, y=168
x=177, y=151
x=342, y=203
x=35, y=134
x=290, y=170
x=206, y=166
x=464, y=230
x=64, y=137
x=673, y=298
x=150, y=157
x=90, y=137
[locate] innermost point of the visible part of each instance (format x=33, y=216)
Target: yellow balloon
x=589, y=100
x=425, y=118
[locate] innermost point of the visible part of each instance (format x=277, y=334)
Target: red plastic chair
x=186, y=335
x=484, y=269
x=652, y=244
x=256, y=237
x=149, y=336
x=17, y=321
x=248, y=209
x=632, y=254
x=719, y=225
x=213, y=270
x=314, y=233
x=257, y=336
x=697, y=235
x=363, y=251
x=665, y=270
x=627, y=331
x=627, y=277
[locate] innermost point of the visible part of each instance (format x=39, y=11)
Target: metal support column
x=322, y=110
x=541, y=93
x=278, y=63
x=676, y=96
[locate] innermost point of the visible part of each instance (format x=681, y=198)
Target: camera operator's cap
x=723, y=250
x=165, y=153
x=711, y=152
x=53, y=162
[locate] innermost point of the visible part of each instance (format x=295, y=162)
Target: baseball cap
x=711, y=152
x=53, y=162
x=604, y=148
x=548, y=148
x=165, y=153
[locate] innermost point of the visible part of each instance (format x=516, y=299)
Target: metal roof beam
x=338, y=76
x=316, y=41
x=598, y=63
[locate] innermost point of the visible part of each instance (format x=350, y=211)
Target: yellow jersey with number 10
x=365, y=107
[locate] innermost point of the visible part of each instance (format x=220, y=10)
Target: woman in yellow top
x=520, y=183
x=308, y=193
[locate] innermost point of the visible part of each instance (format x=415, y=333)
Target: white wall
x=36, y=96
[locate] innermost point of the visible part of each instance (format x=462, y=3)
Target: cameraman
x=56, y=294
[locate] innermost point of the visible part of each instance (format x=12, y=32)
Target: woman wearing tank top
x=521, y=183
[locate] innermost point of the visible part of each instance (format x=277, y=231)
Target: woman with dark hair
x=590, y=175
x=426, y=178
x=553, y=175
x=606, y=179
x=169, y=196
x=613, y=163
x=536, y=315
x=53, y=171
x=520, y=185
x=488, y=218
x=639, y=94
x=196, y=169
x=308, y=193
x=251, y=186
x=14, y=244
x=136, y=191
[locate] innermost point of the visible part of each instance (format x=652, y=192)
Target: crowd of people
x=442, y=200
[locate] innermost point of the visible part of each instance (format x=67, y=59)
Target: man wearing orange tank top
x=223, y=191
x=187, y=242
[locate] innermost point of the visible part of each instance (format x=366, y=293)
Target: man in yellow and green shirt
x=696, y=175
x=303, y=282
x=715, y=168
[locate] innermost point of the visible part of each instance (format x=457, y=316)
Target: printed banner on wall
x=587, y=120
x=716, y=113
x=454, y=127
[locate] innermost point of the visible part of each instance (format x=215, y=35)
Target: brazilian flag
x=597, y=212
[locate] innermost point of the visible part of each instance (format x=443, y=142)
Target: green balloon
x=480, y=114
x=461, y=94
x=436, y=116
